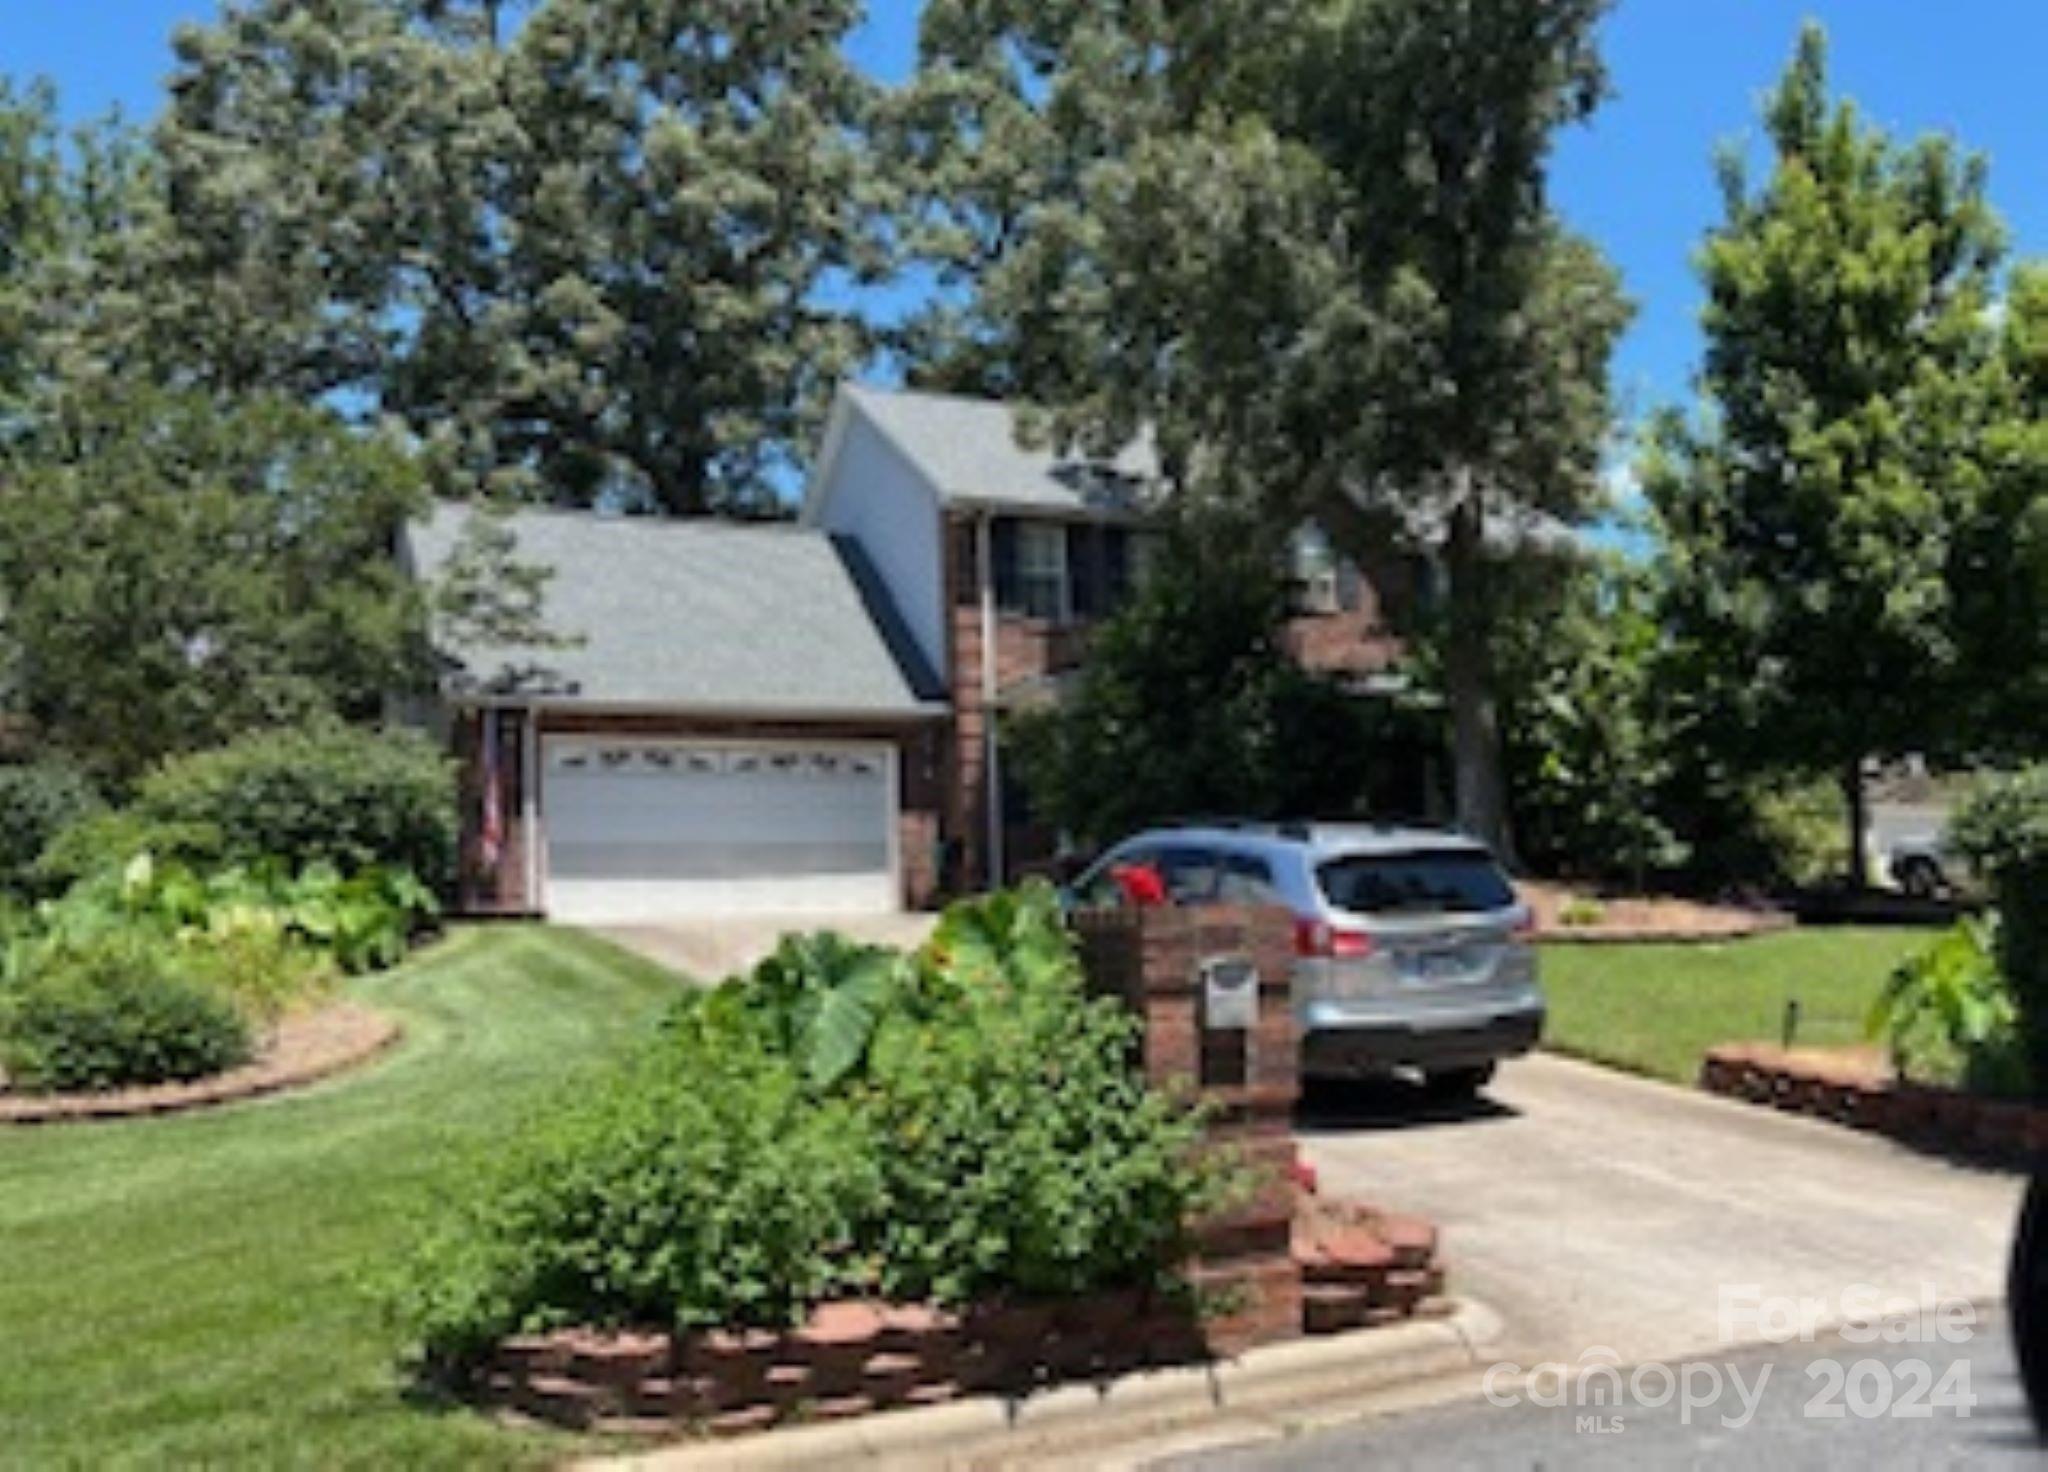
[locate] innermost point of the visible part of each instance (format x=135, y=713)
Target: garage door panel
x=646, y=830
x=642, y=861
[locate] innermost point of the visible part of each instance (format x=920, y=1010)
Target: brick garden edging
x=1282, y=1263
x=1847, y=1091
x=1358, y=1268
x=303, y=1051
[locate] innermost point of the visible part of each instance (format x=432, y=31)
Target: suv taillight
x=1317, y=938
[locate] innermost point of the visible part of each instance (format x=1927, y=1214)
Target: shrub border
x=1944, y=1121
x=366, y=1035
x=1363, y=1269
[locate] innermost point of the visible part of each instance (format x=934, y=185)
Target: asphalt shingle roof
x=968, y=449
x=708, y=616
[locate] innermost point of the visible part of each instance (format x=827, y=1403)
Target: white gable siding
x=873, y=495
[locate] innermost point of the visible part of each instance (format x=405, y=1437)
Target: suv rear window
x=1450, y=881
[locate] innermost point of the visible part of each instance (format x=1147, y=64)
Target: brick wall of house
x=503, y=890
x=1028, y=653
x=1351, y=643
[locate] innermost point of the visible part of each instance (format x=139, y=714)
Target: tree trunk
x=1859, y=823
x=1468, y=681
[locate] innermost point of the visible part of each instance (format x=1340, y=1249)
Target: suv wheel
x=1457, y=1083
x=1921, y=878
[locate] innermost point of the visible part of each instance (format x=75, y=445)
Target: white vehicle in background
x=1925, y=867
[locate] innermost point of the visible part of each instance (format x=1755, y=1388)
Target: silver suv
x=1413, y=951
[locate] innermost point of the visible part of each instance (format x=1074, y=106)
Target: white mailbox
x=1230, y=994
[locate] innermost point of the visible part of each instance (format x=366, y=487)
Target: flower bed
x=1566, y=916
x=1127, y=1193
x=302, y=1050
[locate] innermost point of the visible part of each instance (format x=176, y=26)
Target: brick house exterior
x=940, y=573
x=946, y=495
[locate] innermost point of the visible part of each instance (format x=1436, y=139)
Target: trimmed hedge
x=338, y=795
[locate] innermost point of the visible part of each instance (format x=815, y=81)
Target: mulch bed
x=1638, y=918
x=301, y=1050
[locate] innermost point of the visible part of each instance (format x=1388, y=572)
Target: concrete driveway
x=1592, y=1209
x=709, y=950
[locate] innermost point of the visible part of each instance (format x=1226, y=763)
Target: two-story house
x=806, y=719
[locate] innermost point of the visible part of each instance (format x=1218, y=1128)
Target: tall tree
x=585, y=249
x=1810, y=509
x=1998, y=552
x=1307, y=248
x=174, y=571
x=67, y=201
x=1191, y=703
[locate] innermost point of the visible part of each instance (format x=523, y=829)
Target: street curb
x=1305, y=1377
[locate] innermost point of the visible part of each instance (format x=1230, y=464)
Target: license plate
x=1439, y=965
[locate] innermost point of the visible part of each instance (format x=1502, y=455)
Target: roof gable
x=968, y=451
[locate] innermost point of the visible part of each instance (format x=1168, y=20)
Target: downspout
x=992, y=757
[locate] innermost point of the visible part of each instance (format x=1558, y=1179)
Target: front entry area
x=638, y=829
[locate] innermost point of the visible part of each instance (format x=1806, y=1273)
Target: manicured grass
x=191, y=1291
x=1655, y=1009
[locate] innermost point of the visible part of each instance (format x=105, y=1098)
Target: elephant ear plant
x=2002, y=830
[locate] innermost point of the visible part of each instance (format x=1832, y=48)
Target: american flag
x=492, y=831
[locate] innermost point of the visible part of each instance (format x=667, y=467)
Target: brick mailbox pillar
x=1213, y=988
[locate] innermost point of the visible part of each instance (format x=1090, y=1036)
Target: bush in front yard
x=954, y=1125
x=326, y=794
x=1949, y=1019
x=113, y=1012
x=37, y=802
x=694, y=1185
x=2002, y=830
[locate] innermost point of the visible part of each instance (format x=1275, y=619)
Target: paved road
x=1596, y=1210
x=1881, y=1428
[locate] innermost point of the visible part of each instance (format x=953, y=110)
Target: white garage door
x=652, y=830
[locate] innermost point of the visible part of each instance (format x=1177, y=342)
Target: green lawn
x=189, y=1291
x=1655, y=1009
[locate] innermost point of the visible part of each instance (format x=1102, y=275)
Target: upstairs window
x=1042, y=570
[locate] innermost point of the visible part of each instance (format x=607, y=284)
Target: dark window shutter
x=1116, y=567
x=1084, y=570
x=1003, y=539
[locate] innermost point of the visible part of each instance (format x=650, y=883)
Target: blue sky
x=1688, y=74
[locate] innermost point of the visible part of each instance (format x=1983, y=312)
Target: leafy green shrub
x=330, y=794
x=260, y=968
x=1802, y=827
x=1579, y=912
x=37, y=802
x=1949, y=1018
x=2002, y=830
x=105, y=842
x=364, y=920
x=952, y=1124
x=112, y=1013
x=696, y=1185
x=268, y=940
